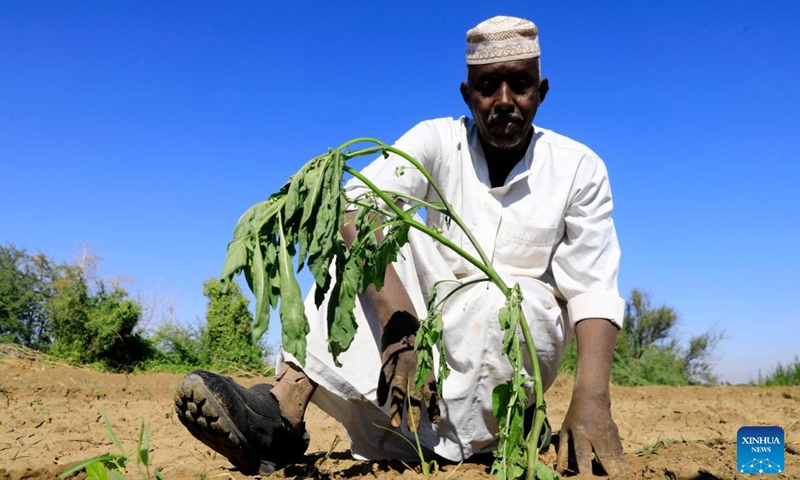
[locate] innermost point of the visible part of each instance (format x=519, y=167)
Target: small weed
x=654, y=448
x=328, y=453
x=428, y=468
x=112, y=466
x=35, y=401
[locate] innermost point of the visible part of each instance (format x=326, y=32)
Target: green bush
x=50, y=307
x=57, y=308
x=96, y=327
x=227, y=337
x=787, y=376
x=180, y=348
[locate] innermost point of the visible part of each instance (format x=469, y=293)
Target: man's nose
x=505, y=97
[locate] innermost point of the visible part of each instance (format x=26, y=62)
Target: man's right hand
x=398, y=369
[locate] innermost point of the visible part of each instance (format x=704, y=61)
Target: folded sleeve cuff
x=597, y=305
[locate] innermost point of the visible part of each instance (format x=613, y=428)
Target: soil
x=51, y=417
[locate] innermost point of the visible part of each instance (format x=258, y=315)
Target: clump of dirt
x=52, y=417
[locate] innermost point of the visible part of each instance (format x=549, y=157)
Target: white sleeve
x=586, y=262
x=395, y=173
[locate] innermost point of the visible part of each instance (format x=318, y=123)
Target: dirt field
x=51, y=417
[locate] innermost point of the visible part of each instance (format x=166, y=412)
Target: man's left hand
x=588, y=427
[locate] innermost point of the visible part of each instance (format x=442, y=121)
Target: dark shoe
x=244, y=425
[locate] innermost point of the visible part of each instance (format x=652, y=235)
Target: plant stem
x=532, y=442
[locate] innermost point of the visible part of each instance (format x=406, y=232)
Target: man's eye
x=486, y=88
x=521, y=86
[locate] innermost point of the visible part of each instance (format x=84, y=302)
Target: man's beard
x=505, y=143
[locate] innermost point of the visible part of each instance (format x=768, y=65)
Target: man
x=540, y=206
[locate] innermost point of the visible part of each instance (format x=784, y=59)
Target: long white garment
x=548, y=228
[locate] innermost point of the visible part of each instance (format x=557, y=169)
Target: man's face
x=503, y=98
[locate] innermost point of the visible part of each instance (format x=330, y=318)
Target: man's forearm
x=393, y=297
x=596, y=339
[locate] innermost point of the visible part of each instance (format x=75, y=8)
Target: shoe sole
x=208, y=420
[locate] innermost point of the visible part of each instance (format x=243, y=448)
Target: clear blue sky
x=145, y=128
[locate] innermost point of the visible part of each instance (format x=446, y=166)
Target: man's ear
x=465, y=92
x=544, y=87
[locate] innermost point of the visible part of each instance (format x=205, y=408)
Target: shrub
x=227, y=337
x=96, y=327
x=783, y=376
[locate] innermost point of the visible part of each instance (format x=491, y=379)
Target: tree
x=651, y=339
x=648, y=351
x=23, y=295
x=646, y=327
x=95, y=326
x=227, y=336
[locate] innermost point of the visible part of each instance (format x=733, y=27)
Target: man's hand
x=398, y=368
x=588, y=427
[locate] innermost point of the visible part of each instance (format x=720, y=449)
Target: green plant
x=301, y=223
x=783, y=376
x=654, y=448
x=110, y=465
x=227, y=339
x=648, y=352
x=24, y=289
x=428, y=467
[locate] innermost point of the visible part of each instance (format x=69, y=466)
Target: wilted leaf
x=293, y=315
x=235, y=260
x=258, y=274
x=341, y=319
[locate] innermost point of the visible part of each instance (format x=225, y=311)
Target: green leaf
x=117, y=475
x=428, y=335
x=244, y=227
x=273, y=275
x=374, y=269
x=543, y=472
x=341, y=319
x=96, y=471
x=293, y=202
x=235, y=260
x=107, y=460
x=113, y=436
x=292, y=311
x=143, y=446
x=313, y=182
x=324, y=237
x=258, y=274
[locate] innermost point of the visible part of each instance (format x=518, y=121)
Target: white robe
x=549, y=228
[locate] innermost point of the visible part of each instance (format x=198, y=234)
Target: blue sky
x=144, y=129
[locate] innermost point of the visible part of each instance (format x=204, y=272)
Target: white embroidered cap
x=502, y=39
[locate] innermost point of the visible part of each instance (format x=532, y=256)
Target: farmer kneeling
x=540, y=206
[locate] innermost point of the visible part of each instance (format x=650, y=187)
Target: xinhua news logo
x=759, y=450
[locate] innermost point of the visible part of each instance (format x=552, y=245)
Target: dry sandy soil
x=51, y=416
